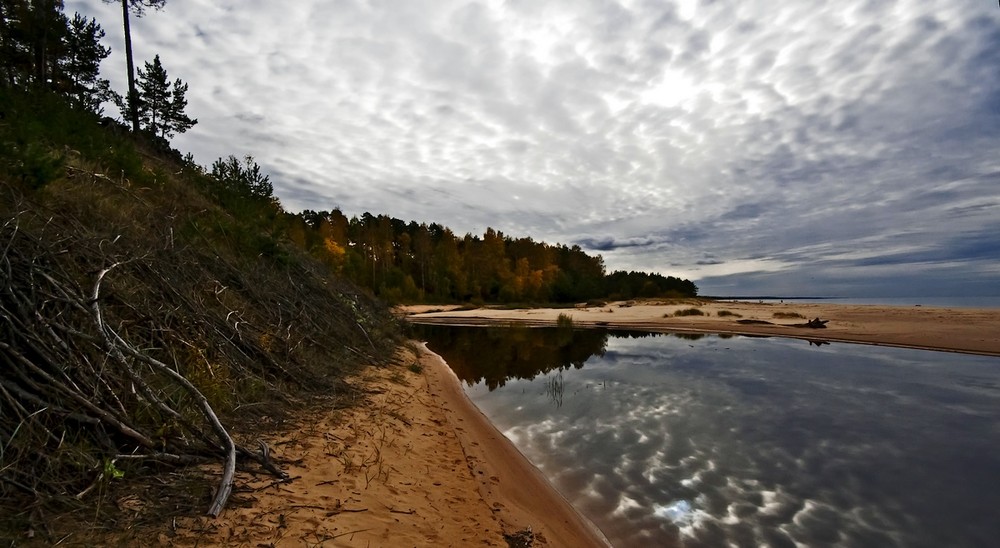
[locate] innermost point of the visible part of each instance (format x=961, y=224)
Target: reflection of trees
x=494, y=354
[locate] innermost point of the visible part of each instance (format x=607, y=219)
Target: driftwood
x=814, y=324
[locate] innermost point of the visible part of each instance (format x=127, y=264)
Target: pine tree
x=13, y=49
x=153, y=98
x=82, y=63
x=243, y=178
x=175, y=119
x=31, y=42
x=160, y=104
x=136, y=7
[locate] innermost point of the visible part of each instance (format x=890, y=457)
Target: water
x=715, y=441
x=943, y=302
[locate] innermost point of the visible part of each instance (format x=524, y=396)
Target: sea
x=944, y=302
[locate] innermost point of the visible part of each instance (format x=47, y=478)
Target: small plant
x=415, y=367
x=689, y=312
x=564, y=320
x=788, y=315
x=729, y=313
x=398, y=378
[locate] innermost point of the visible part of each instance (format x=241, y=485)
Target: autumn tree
x=408, y=262
x=162, y=104
x=138, y=8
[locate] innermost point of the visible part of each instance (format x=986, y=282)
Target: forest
x=411, y=262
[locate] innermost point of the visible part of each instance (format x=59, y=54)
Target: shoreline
x=522, y=497
x=964, y=330
x=411, y=462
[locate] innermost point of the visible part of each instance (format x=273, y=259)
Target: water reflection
x=494, y=355
x=745, y=441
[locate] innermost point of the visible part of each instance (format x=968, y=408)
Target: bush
x=564, y=320
x=788, y=315
x=729, y=313
x=689, y=312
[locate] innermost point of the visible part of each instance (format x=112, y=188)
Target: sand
x=975, y=331
x=415, y=463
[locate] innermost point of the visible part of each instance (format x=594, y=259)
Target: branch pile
x=119, y=355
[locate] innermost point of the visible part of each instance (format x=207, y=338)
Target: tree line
x=420, y=262
x=43, y=49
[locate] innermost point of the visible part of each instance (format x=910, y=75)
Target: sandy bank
x=412, y=463
x=967, y=330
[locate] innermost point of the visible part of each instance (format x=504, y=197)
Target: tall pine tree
x=138, y=8
x=32, y=37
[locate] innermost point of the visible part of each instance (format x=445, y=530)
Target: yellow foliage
x=266, y=342
x=335, y=250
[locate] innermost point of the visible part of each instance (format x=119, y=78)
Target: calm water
x=712, y=441
x=944, y=302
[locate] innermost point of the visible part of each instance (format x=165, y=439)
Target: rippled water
x=712, y=441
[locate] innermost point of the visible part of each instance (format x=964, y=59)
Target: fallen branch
x=116, y=343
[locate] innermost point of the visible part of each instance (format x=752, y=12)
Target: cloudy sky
x=797, y=148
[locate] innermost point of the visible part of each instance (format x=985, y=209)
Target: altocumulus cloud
x=751, y=146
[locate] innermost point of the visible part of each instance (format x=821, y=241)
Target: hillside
x=151, y=319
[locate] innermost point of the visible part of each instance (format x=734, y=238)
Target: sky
x=787, y=148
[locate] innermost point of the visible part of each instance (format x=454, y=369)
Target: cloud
x=652, y=132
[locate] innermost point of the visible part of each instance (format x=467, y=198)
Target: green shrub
x=35, y=166
x=564, y=320
x=729, y=313
x=689, y=312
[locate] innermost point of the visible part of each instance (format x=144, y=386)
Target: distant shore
x=967, y=330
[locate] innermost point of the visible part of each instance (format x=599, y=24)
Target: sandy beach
x=970, y=330
x=415, y=463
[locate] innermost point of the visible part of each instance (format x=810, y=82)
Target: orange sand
x=416, y=464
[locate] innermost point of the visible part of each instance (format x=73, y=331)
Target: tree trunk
x=132, y=103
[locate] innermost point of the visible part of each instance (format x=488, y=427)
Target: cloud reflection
x=753, y=442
